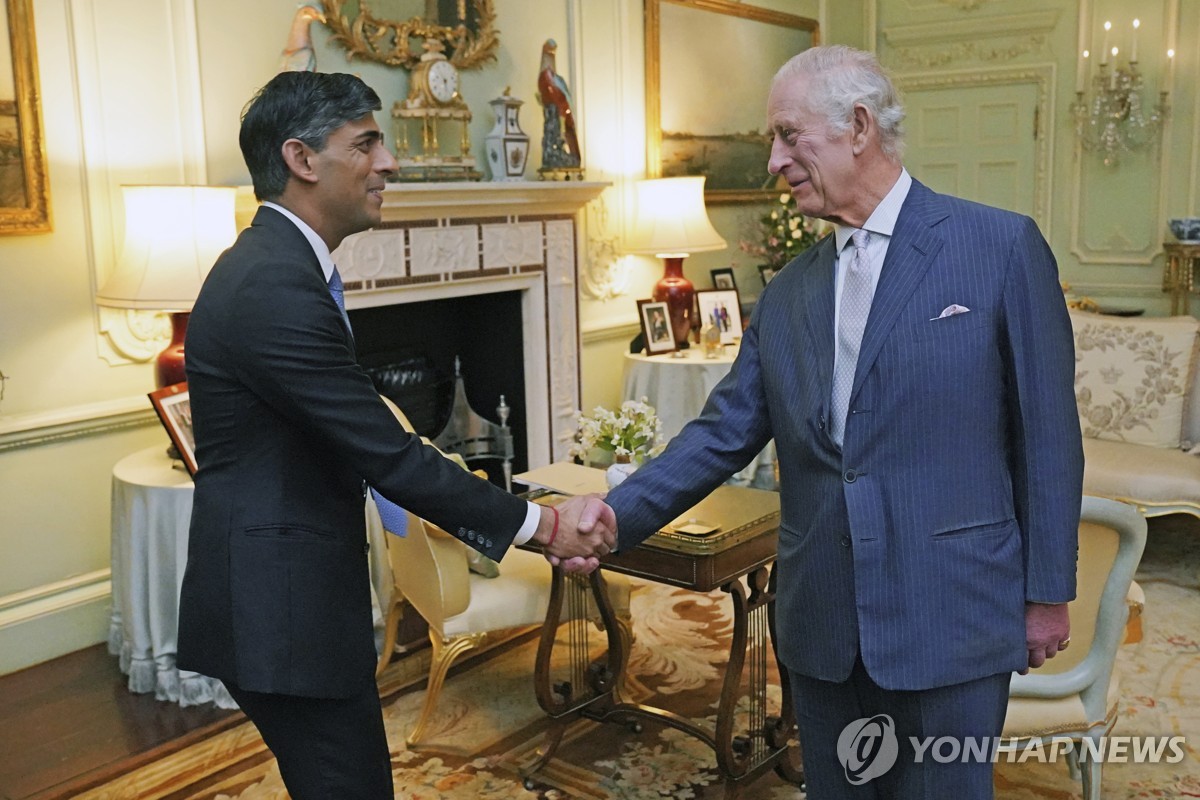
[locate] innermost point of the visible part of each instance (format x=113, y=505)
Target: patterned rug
x=488, y=723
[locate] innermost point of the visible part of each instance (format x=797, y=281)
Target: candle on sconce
x=1104, y=50
x=1112, y=76
x=1081, y=73
x=1137, y=23
x=1168, y=80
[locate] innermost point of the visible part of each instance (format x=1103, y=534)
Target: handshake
x=577, y=532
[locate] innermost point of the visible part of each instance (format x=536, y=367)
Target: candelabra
x=1113, y=121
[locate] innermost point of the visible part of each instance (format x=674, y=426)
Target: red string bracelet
x=554, y=531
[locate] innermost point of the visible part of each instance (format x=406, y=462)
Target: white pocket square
x=950, y=311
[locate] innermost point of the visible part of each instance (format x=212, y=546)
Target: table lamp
x=173, y=234
x=672, y=223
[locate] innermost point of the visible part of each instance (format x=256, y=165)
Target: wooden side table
x=741, y=548
x=1179, y=273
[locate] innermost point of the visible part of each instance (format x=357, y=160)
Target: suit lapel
x=912, y=249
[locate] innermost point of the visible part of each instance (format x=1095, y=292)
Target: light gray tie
x=857, y=291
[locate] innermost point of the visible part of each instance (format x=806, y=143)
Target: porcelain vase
x=618, y=471
x=507, y=145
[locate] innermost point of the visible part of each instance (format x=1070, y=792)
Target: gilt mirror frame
x=24, y=183
x=717, y=26
x=387, y=41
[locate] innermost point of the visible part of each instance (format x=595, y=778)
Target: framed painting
x=698, y=121
x=655, y=316
x=24, y=184
x=174, y=408
x=720, y=308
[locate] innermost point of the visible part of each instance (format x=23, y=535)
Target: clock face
x=443, y=81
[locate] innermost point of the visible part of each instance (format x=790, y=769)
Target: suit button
x=845, y=541
x=462, y=532
x=851, y=476
x=488, y=544
x=821, y=424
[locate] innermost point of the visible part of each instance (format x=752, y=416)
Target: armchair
x=1076, y=694
x=465, y=610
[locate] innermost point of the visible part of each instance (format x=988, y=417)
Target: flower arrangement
x=632, y=430
x=781, y=234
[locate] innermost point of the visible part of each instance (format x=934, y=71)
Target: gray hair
x=297, y=105
x=840, y=77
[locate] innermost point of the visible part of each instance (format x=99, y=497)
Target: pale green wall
x=150, y=91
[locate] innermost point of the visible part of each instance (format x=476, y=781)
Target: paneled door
x=977, y=142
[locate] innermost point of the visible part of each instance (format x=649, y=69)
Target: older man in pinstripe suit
x=916, y=372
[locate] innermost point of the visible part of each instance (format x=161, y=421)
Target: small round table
x=677, y=387
x=1180, y=273
x=151, y=512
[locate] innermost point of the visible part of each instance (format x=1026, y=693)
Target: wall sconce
x=1113, y=119
x=672, y=223
x=173, y=234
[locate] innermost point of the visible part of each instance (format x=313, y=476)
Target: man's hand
x=1047, y=630
x=587, y=530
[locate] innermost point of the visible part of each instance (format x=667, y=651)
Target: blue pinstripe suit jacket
x=955, y=497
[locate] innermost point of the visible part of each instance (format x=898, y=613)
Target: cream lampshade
x=672, y=223
x=173, y=234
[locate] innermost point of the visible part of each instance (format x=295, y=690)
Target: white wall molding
x=121, y=145
x=53, y=598
x=1027, y=25
x=1043, y=77
x=64, y=424
x=609, y=330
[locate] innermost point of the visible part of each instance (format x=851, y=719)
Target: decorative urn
x=507, y=145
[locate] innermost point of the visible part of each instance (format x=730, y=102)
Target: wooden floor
x=71, y=723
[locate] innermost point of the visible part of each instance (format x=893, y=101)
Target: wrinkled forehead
x=788, y=103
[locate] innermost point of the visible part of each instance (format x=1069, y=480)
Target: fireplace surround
x=515, y=243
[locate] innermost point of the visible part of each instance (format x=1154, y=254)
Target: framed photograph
x=698, y=122
x=174, y=408
x=767, y=272
x=720, y=308
x=723, y=278
x=656, y=327
x=24, y=184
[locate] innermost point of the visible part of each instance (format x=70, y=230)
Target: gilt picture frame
x=24, y=182
x=174, y=408
x=698, y=122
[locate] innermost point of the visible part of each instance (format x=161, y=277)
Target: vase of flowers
x=781, y=234
x=630, y=433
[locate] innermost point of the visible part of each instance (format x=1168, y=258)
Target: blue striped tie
x=394, y=518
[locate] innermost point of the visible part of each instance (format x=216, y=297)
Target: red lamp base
x=168, y=367
x=680, y=297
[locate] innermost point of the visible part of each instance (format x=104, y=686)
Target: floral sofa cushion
x=1132, y=376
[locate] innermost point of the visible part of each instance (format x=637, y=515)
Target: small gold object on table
x=730, y=535
x=1179, y=273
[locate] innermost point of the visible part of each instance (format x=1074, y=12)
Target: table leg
x=588, y=683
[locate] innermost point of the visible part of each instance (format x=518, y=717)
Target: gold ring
x=1063, y=644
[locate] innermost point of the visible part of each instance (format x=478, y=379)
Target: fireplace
x=487, y=272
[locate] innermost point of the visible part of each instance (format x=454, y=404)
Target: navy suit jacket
x=289, y=431
x=955, y=497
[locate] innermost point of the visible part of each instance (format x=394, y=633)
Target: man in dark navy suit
x=290, y=433
x=915, y=370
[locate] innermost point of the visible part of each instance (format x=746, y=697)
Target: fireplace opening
x=413, y=346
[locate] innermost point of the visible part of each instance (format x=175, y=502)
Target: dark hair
x=308, y=106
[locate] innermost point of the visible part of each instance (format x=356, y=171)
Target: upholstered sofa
x=1137, y=387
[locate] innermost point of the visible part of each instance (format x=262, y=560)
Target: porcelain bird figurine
x=298, y=54
x=560, y=146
